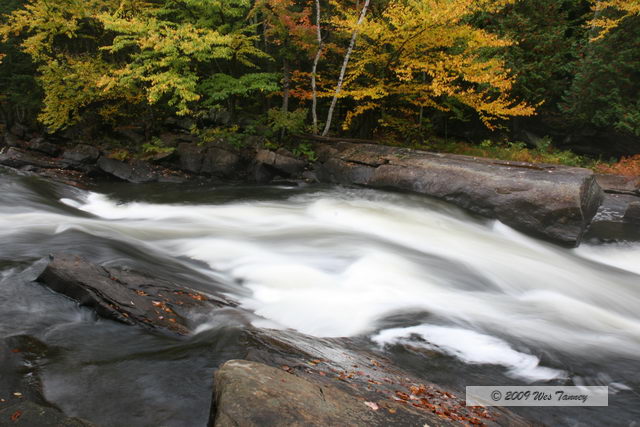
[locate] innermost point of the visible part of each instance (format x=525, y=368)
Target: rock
x=263, y=174
x=43, y=146
x=220, y=163
x=18, y=158
x=252, y=394
x=20, y=360
x=125, y=296
x=619, y=183
x=288, y=165
x=612, y=223
x=548, y=201
x=341, y=363
x=132, y=133
x=172, y=139
x=191, y=157
x=135, y=171
x=29, y=414
x=82, y=154
x=632, y=213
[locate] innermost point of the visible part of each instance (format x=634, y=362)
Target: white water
x=337, y=263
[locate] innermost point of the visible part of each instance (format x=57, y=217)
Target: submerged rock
x=549, y=201
x=127, y=297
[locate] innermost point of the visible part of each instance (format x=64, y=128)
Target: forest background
x=537, y=80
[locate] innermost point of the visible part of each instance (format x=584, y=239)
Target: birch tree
x=343, y=70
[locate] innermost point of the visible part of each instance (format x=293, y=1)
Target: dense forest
x=560, y=72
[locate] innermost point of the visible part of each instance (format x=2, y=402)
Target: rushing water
x=487, y=305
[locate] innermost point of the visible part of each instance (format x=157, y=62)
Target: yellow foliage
x=623, y=8
x=419, y=52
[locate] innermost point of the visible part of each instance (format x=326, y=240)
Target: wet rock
x=342, y=364
x=253, y=394
x=282, y=163
x=82, y=154
x=135, y=171
x=248, y=393
x=632, y=213
x=615, y=220
x=20, y=360
x=127, y=297
x=548, y=201
x=29, y=414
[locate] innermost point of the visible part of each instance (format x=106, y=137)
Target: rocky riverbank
x=557, y=203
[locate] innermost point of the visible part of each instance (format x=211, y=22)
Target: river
x=488, y=305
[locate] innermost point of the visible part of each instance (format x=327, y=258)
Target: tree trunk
x=314, y=88
x=343, y=71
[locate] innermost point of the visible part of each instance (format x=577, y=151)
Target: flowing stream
x=453, y=298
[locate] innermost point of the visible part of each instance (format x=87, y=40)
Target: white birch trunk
x=314, y=89
x=343, y=71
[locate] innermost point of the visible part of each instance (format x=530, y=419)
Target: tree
x=345, y=63
x=108, y=55
x=608, y=14
x=605, y=93
x=420, y=53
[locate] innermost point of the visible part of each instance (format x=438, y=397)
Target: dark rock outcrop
x=19, y=158
x=279, y=162
x=82, y=154
x=135, y=172
x=211, y=161
x=553, y=202
x=125, y=296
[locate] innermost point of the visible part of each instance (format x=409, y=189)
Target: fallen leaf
x=402, y=395
x=16, y=415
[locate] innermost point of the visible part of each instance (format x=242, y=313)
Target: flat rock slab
x=377, y=391
x=254, y=394
x=549, y=201
x=127, y=297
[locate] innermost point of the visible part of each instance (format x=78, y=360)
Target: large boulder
x=549, y=201
x=81, y=154
x=134, y=171
x=253, y=394
x=125, y=296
